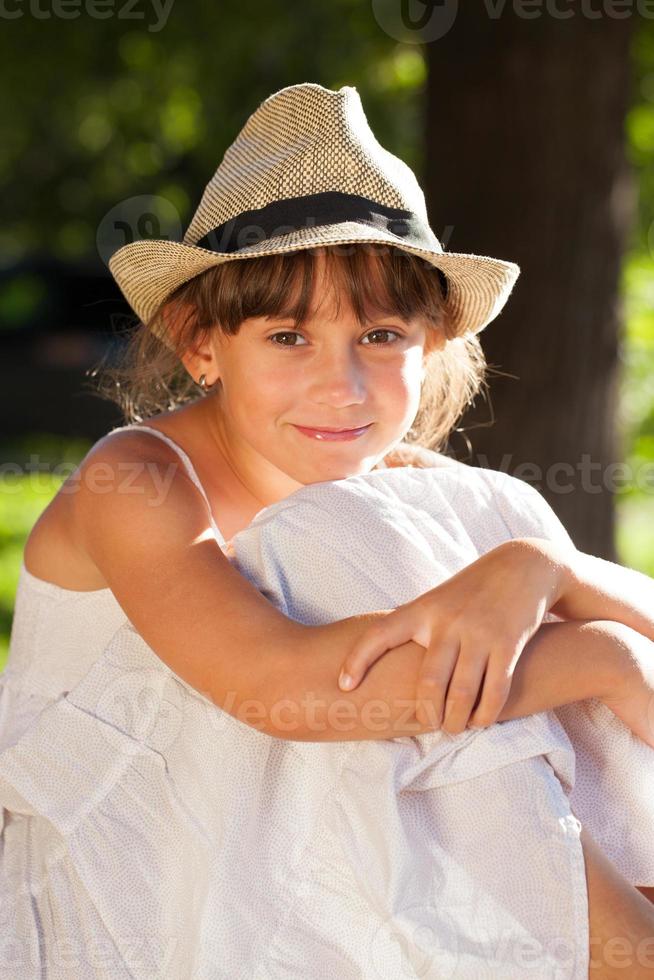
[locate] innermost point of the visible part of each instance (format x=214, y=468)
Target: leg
x=621, y=921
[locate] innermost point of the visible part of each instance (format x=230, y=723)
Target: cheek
x=267, y=394
x=405, y=389
x=403, y=377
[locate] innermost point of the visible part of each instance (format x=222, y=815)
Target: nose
x=337, y=377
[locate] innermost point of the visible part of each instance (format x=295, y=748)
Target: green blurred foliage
x=99, y=110
x=635, y=504
x=32, y=470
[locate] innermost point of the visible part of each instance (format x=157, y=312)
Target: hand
x=474, y=626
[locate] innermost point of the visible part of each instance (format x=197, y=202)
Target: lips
x=322, y=428
x=333, y=435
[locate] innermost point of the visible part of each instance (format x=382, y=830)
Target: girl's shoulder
x=55, y=548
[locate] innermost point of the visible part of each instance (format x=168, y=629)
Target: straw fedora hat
x=306, y=171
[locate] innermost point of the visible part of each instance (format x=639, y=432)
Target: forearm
x=593, y=588
x=563, y=662
x=309, y=706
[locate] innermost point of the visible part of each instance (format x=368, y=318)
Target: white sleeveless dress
x=146, y=833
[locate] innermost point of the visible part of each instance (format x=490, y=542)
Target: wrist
x=560, y=564
x=566, y=579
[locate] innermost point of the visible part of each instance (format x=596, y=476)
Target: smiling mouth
x=333, y=435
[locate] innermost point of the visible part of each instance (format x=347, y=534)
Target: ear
x=202, y=360
x=200, y=357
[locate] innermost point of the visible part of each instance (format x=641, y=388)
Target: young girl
x=185, y=790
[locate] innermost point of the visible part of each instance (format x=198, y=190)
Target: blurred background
x=530, y=127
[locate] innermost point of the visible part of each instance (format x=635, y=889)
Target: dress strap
x=188, y=465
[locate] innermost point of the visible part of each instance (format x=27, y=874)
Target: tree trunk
x=526, y=161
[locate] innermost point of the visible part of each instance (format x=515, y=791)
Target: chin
x=350, y=469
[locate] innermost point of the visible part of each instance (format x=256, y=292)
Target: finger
x=463, y=690
x=496, y=688
x=431, y=688
x=383, y=635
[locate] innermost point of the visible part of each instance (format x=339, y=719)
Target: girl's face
x=331, y=373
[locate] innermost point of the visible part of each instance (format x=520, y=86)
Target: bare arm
x=563, y=662
x=593, y=588
x=146, y=527
x=216, y=631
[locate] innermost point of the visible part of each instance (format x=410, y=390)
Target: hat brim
x=149, y=270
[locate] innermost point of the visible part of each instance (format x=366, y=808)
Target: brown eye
x=284, y=333
x=382, y=331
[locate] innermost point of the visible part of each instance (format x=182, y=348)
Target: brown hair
x=149, y=377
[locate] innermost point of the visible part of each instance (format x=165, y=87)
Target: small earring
x=203, y=383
